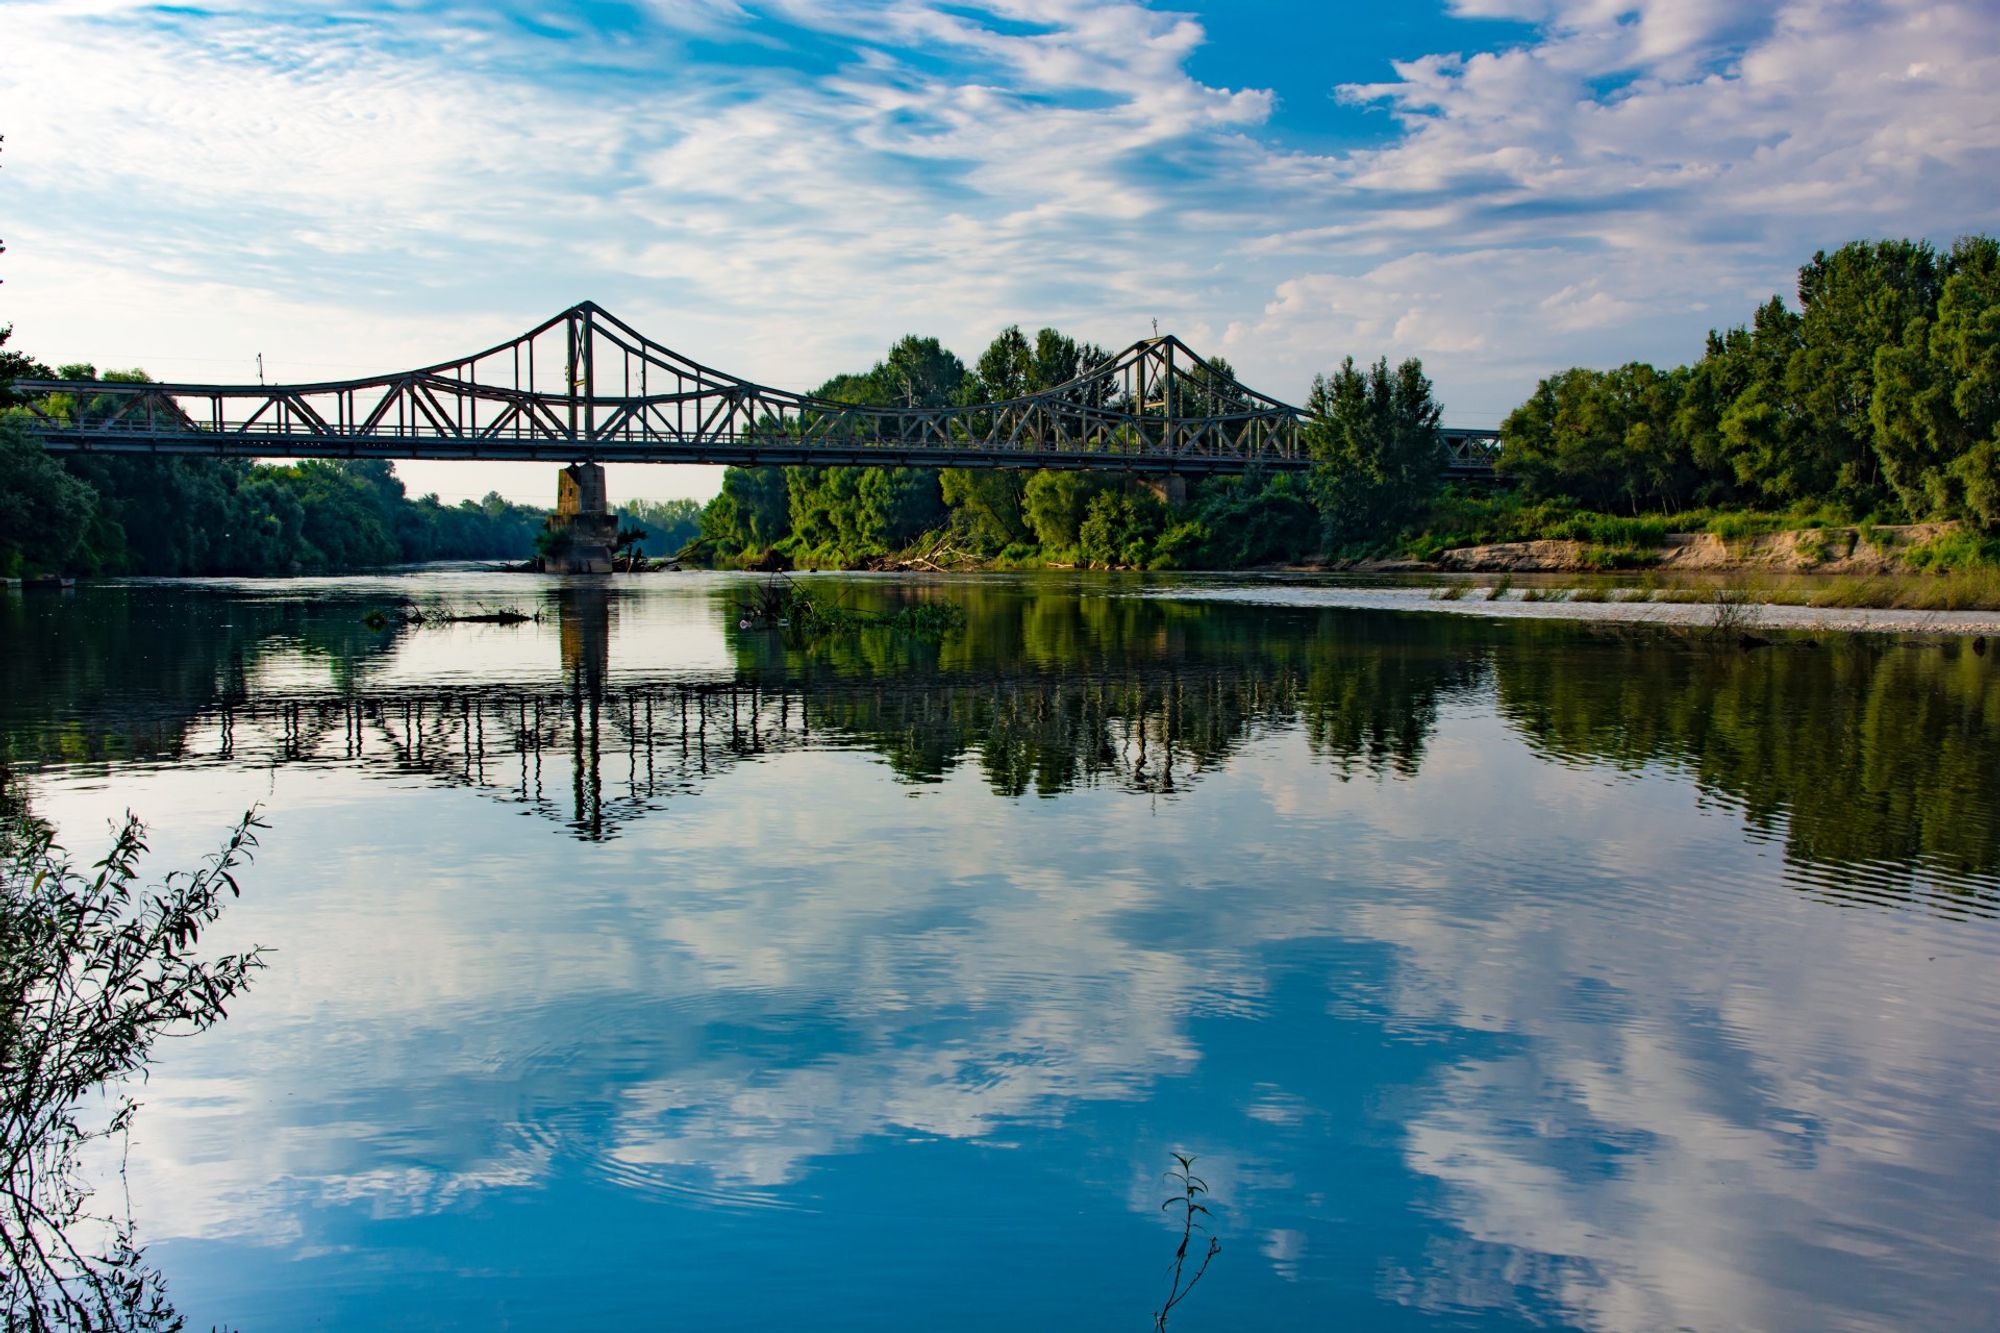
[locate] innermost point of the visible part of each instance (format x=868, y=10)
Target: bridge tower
x=583, y=528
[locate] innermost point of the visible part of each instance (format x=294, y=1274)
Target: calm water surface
x=633, y=969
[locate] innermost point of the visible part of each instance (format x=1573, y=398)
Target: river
x=635, y=967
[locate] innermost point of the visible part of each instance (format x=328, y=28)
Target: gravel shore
x=1753, y=615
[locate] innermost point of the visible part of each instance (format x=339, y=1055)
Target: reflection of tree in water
x=1371, y=702
x=1869, y=758
x=1857, y=754
x=118, y=673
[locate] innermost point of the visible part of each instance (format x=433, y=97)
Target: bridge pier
x=583, y=529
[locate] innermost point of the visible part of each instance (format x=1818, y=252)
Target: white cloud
x=358, y=188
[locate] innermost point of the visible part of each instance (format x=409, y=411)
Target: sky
x=781, y=188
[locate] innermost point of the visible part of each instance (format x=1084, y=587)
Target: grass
x=1617, y=557
x=1960, y=550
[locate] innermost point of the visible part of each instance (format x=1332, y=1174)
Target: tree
x=1054, y=505
x=1119, y=528
x=16, y=366
x=1255, y=519
x=672, y=524
x=918, y=372
x=1853, y=302
x=751, y=513
x=95, y=967
x=988, y=501
x=1378, y=455
x=44, y=511
x=1936, y=396
x=1745, y=457
x=1605, y=439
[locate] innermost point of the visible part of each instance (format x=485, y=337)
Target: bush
x=93, y=969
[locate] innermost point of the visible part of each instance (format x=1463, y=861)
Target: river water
x=633, y=968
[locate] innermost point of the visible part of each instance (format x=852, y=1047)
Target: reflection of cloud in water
x=1680, y=1136
x=1667, y=1131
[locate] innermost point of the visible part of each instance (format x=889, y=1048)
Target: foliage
x=1118, y=530
x=850, y=512
x=1256, y=519
x=44, y=511
x=751, y=512
x=1937, y=401
x=1377, y=451
x=1604, y=439
x=179, y=516
x=988, y=504
x=1054, y=504
x=96, y=969
x=1186, y=1201
x=669, y=524
x=1878, y=396
x=16, y=366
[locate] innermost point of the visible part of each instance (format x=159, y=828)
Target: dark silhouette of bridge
x=587, y=387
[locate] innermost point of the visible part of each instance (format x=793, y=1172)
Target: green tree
x=1119, y=529
x=918, y=372
x=670, y=524
x=1743, y=454
x=44, y=511
x=16, y=366
x=751, y=513
x=1936, y=402
x=1378, y=455
x=1605, y=439
x=987, y=502
x=1853, y=303
x=1054, y=505
x=1256, y=519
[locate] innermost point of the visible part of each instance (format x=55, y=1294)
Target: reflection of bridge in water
x=593, y=759
x=592, y=752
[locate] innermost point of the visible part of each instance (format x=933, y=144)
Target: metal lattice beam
x=587, y=386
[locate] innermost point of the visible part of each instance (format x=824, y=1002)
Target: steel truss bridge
x=585, y=386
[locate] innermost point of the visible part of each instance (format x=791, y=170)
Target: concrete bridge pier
x=583, y=528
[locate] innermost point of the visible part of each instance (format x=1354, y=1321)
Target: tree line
x=1876, y=397
x=1375, y=430
x=95, y=514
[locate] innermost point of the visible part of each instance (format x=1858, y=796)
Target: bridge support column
x=583, y=528
x=1173, y=488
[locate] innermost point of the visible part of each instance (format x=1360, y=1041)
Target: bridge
x=585, y=387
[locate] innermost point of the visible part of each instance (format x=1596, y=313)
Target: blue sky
x=1501, y=187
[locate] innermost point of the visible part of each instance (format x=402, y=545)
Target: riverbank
x=1863, y=549
x=1717, y=608
x=1911, y=567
